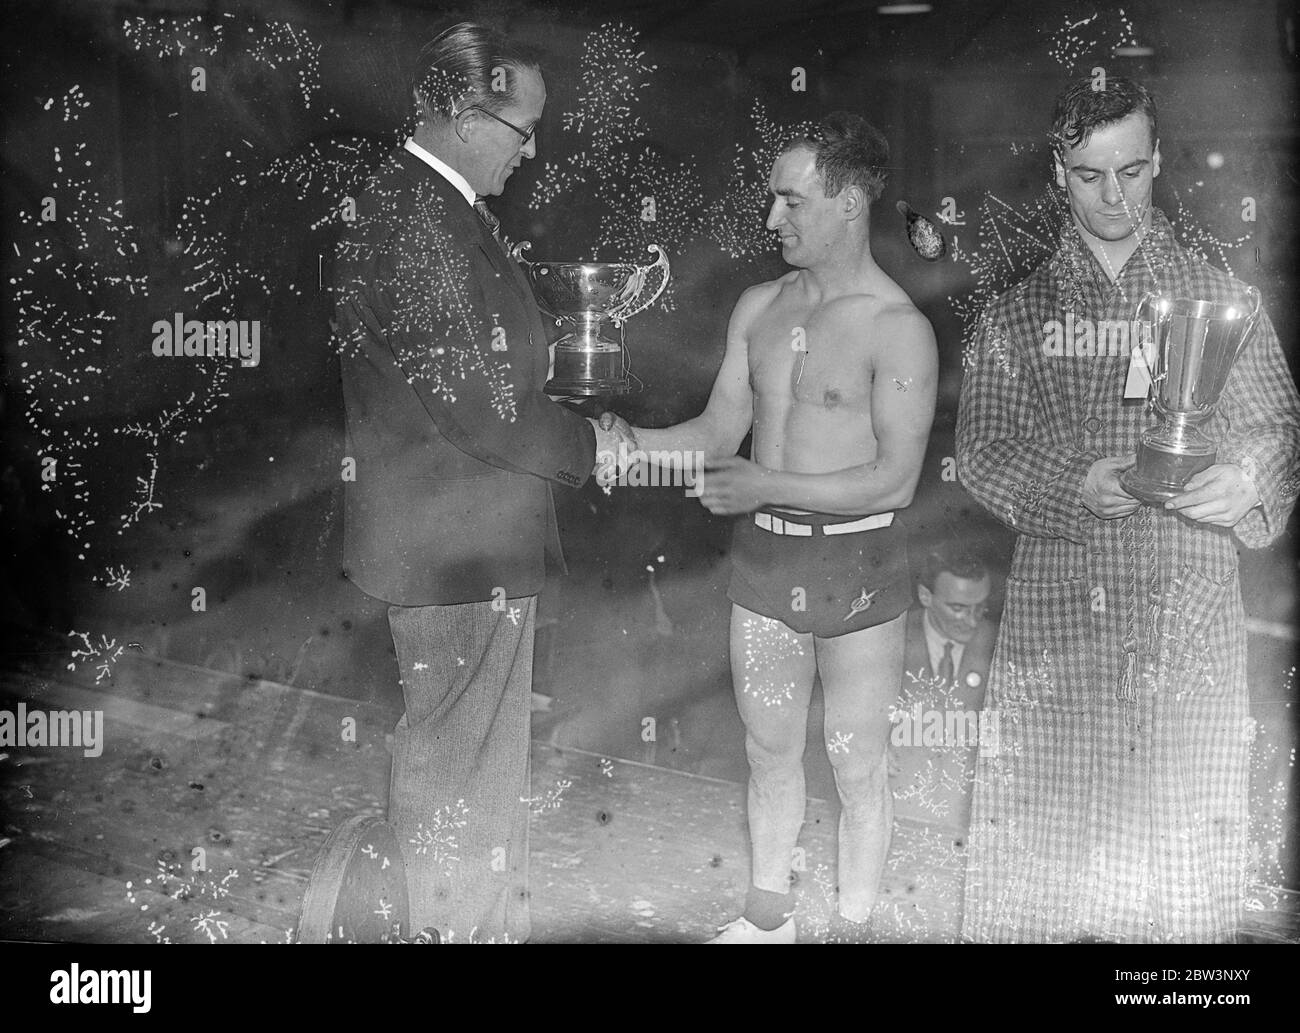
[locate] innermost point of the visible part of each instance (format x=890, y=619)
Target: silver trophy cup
x=1195, y=344
x=594, y=299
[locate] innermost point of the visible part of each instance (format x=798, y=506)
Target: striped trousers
x=458, y=797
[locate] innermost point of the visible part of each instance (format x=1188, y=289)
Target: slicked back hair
x=469, y=64
x=1081, y=108
x=957, y=560
x=848, y=150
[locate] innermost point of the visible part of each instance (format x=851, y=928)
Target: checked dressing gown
x=1115, y=808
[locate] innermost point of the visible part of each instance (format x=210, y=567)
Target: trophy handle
x=1139, y=313
x=634, y=304
x=1151, y=361
x=1248, y=327
x=516, y=254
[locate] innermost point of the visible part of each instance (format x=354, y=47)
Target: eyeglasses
x=978, y=611
x=474, y=107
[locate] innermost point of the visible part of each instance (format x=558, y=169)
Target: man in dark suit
x=946, y=664
x=449, y=515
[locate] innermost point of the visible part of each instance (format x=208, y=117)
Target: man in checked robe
x=1116, y=808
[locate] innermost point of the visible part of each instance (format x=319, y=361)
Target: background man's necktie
x=945, y=665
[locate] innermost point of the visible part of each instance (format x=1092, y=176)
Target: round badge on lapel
x=973, y=679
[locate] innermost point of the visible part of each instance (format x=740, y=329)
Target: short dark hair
x=1082, y=107
x=956, y=559
x=470, y=64
x=849, y=150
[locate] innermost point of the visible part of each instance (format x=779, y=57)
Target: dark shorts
x=849, y=581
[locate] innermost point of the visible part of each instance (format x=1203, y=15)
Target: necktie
x=492, y=222
x=945, y=665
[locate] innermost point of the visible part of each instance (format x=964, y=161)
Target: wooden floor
x=201, y=821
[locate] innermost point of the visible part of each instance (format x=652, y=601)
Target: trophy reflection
x=595, y=299
x=1194, y=345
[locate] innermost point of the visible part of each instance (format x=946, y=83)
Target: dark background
x=229, y=204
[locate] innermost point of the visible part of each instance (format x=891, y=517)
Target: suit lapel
x=505, y=267
x=978, y=653
x=509, y=272
x=917, y=654
x=508, y=269
x=465, y=224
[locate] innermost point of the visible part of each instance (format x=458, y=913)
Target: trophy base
x=588, y=367
x=1160, y=474
x=1153, y=493
x=588, y=388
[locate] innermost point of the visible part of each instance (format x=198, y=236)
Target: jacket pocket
x=1046, y=643
x=1197, y=634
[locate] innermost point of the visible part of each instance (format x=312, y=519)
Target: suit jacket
x=933, y=784
x=444, y=356
x=975, y=658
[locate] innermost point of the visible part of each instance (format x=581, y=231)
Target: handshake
x=612, y=432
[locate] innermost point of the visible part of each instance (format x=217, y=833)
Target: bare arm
x=722, y=426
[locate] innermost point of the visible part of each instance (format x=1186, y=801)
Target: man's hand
x=1221, y=495
x=1103, y=495
x=732, y=486
x=611, y=432
x=620, y=426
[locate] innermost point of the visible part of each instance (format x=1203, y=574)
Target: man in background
x=945, y=668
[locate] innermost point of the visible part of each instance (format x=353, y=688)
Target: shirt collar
x=1080, y=275
x=935, y=639
x=444, y=170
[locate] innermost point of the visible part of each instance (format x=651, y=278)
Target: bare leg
x=861, y=674
x=772, y=671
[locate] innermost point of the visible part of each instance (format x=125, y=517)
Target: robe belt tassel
x=1128, y=681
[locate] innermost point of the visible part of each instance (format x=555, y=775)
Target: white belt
x=778, y=525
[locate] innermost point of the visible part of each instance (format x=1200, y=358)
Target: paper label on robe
x=1141, y=356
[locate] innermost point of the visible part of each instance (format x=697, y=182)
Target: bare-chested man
x=835, y=370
